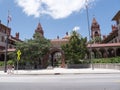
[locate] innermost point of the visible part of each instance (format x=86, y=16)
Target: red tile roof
x=104, y=45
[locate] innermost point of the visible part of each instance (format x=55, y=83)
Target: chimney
x=57, y=37
x=66, y=33
x=17, y=35
x=104, y=37
x=114, y=27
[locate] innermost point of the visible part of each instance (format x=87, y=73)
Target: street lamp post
x=5, y=59
x=89, y=36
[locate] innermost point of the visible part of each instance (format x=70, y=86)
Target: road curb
x=62, y=71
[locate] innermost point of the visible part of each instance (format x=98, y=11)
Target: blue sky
x=57, y=16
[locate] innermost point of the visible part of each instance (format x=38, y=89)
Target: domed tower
x=95, y=31
x=39, y=29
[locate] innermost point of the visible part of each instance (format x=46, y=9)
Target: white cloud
x=76, y=28
x=55, y=8
x=30, y=7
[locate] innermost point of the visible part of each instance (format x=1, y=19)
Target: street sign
x=18, y=55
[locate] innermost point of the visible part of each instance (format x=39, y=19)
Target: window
x=0, y=38
x=115, y=40
x=3, y=39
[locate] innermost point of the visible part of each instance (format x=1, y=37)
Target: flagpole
x=6, y=42
x=6, y=47
x=8, y=19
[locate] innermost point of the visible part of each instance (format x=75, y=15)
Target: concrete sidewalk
x=57, y=71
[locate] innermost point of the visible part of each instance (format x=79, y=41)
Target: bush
x=107, y=60
x=1, y=63
x=10, y=62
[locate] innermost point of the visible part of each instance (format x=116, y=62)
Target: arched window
x=96, y=33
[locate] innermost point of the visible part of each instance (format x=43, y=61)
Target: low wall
x=78, y=66
x=100, y=65
x=107, y=66
x=1, y=68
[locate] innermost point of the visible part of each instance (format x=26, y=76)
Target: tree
x=97, y=39
x=75, y=49
x=34, y=49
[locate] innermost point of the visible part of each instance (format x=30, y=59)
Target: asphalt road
x=61, y=82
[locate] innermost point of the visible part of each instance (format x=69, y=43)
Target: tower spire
x=95, y=30
x=39, y=29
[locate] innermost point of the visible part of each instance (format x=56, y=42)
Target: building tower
x=39, y=29
x=95, y=31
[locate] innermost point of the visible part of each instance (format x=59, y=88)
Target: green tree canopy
x=33, y=49
x=76, y=49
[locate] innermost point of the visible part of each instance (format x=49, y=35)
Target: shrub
x=10, y=62
x=107, y=60
x=1, y=63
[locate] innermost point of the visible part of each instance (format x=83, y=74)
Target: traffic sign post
x=18, y=55
x=18, y=58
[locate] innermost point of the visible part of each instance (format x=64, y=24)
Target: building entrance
x=54, y=58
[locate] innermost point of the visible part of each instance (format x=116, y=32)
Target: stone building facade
x=55, y=51
x=5, y=35
x=110, y=44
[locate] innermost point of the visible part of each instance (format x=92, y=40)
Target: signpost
x=18, y=57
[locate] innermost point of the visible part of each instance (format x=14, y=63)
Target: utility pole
x=90, y=50
x=6, y=42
